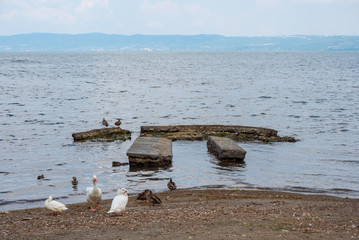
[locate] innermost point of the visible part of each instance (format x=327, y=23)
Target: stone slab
x=201, y=132
x=103, y=134
x=225, y=149
x=150, y=152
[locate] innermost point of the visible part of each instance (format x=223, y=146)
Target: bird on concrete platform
x=171, y=185
x=104, y=122
x=118, y=123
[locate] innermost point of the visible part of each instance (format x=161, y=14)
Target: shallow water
x=45, y=97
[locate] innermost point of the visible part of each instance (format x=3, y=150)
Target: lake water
x=45, y=97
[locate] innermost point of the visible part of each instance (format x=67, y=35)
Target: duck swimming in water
x=74, y=181
x=171, y=185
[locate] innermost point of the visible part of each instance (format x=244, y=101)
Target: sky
x=181, y=17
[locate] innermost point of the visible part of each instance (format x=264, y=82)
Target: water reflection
x=231, y=166
x=153, y=169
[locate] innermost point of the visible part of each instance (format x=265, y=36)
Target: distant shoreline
x=98, y=42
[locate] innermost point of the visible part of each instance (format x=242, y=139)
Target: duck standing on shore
x=118, y=123
x=152, y=198
x=104, y=122
x=144, y=196
x=54, y=206
x=119, y=203
x=171, y=185
x=94, y=194
x=149, y=196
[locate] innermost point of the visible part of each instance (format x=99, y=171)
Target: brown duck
x=171, y=185
x=144, y=196
x=118, y=123
x=104, y=122
x=152, y=198
x=74, y=181
x=149, y=196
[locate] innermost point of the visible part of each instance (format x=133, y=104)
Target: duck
x=119, y=202
x=94, y=194
x=54, y=206
x=118, y=123
x=171, y=185
x=104, y=122
x=74, y=181
x=144, y=196
x=152, y=198
x=40, y=177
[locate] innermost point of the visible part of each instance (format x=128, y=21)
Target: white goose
x=94, y=194
x=119, y=202
x=54, y=206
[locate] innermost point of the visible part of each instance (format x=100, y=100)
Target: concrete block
x=225, y=149
x=150, y=152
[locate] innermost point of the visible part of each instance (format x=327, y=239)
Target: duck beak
x=95, y=179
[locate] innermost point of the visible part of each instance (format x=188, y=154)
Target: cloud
x=156, y=24
x=89, y=4
x=267, y=3
x=31, y=11
x=233, y=17
x=173, y=16
x=161, y=8
x=46, y=13
x=197, y=9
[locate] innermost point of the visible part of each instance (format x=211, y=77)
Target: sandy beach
x=196, y=214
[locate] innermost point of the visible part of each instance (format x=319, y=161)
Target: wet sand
x=196, y=214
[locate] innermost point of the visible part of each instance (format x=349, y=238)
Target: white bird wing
x=119, y=204
x=89, y=190
x=56, y=206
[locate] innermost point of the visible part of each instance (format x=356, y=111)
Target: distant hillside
x=107, y=42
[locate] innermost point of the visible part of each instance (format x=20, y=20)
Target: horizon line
x=189, y=35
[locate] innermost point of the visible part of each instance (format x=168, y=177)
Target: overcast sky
x=185, y=17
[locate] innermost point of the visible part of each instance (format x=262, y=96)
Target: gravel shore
x=196, y=214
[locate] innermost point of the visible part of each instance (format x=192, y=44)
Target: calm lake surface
x=45, y=97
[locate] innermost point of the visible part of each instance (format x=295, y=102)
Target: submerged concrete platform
x=201, y=132
x=103, y=134
x=150, y=152
x=225, y=149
